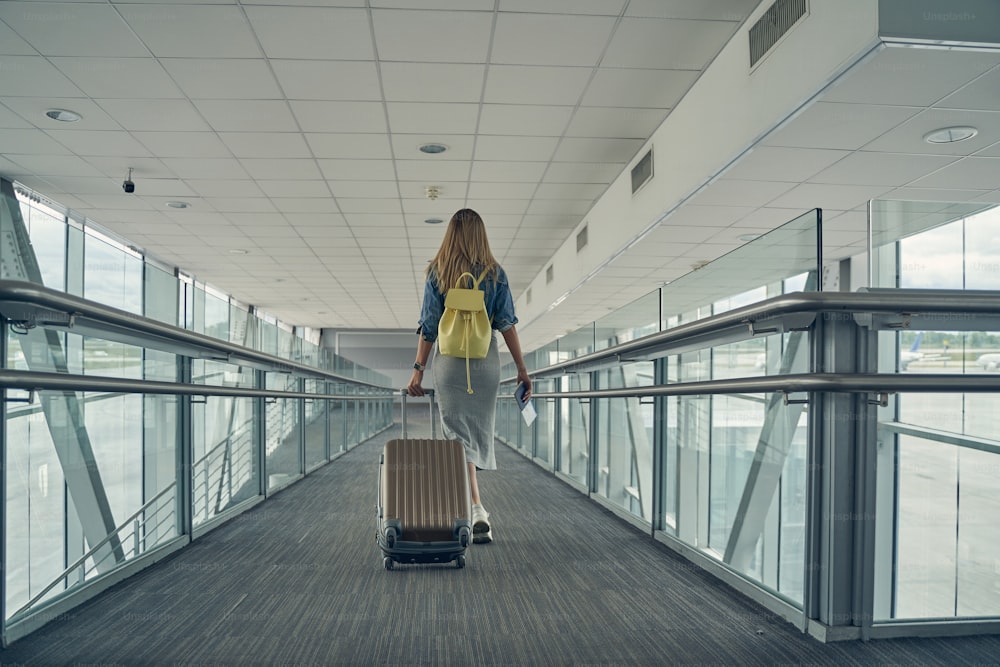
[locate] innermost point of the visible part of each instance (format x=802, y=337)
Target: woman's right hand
x=414, y=388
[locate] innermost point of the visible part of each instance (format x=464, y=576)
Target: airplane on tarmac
x=989, y=361
x=906, y=357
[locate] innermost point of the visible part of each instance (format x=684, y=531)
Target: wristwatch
x=417, y=366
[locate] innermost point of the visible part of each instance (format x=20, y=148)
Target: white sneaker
x=481, y=532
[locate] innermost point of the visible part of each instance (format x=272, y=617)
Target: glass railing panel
x=34, y=507
x=784, y=252
x=635, y=320
x=284, y=460
x=542, y=444
x=162, y=295
x=624, y=440
x=337, y=422
x=316, y=428
x=225, y=470
x=938, y=506
x=577, y=343
x=574, y=432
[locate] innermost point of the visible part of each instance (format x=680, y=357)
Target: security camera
x=127, y=185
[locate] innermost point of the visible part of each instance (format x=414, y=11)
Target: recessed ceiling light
x=746, y=238
x=949, y=135
x=63, y=115
x=238, y=251
x=433, y=149
x=433, y=221
x=178, y=204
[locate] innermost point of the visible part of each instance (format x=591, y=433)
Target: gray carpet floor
x=299, y=581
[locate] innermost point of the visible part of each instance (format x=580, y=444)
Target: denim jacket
x=499, y=304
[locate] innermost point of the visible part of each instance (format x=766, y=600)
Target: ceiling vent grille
x=775, y=22
x=642, y=171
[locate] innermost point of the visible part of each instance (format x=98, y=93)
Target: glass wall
x=938, y=478
x=92, y=478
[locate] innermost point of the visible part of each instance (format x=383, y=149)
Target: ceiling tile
x=814, y=195
x=118, y=77
x=524, y=120
x=432, y=82
x=864, y=168
x=909, y=136
x=11, y=120
x=516, y=149
x=230, y=79
x=370, y=170
x=32, y=76
x=224, y=188
x=192, y=31
x=471, y=5
x=183, y=144
x=971, y=173
x=322, y=116
x=262, y=116
x=415, y=36
x=512, y=84
x=299, y=188
x=349, y=146
x=840, y=126
x=407, y=146
x=783, y=164
x=11, y=43
x=642, y=88
x=511, y=172
x=33, y=109
x=313, y=32
x=418, y=117
x=220, y=168
x=526, y=39
x=328, y=80
x=60, y=29
x=912, y=77
x=266, y=144
x=478, y=190
x=432, y=170
x=92, y=143
x=158, y=115
x=281, y=169
x=598, y=7
x=372, y=189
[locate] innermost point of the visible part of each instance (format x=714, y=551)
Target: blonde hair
x=463, y=248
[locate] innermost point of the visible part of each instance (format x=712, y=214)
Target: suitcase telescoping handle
x=429, y=393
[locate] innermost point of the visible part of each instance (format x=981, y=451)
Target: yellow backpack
x=464, y=330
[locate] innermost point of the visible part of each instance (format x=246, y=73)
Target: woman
x=468, y=417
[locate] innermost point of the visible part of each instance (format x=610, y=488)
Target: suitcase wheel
x=387, y=562
x=460, y=561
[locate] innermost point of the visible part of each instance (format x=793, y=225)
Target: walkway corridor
x=299, y=581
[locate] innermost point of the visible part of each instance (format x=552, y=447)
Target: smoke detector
x=433, y=192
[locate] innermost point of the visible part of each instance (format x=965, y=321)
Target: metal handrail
x=35, y=381
x=755, y=317
x=31, y=304
x=93, y=550
x=799, y=383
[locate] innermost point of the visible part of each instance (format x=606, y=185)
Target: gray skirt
x=469, y=418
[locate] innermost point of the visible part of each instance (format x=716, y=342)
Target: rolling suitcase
x=424, y=509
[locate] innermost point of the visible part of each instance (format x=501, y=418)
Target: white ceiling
x=292, y=127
